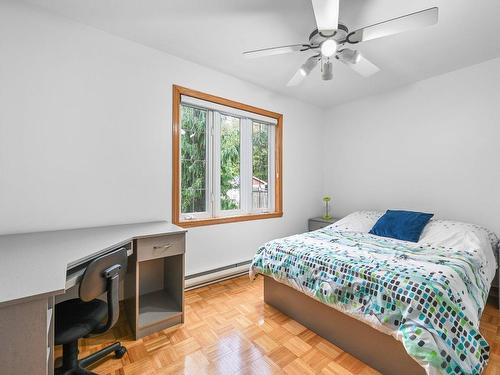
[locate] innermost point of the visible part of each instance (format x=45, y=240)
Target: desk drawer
x=160, y=247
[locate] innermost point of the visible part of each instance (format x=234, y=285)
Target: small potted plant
x=327, y=201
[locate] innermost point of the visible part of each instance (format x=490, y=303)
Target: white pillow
x=359, y=221
x=437, y=232
x=461, y=236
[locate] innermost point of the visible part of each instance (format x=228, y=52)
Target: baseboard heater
x=218, y=274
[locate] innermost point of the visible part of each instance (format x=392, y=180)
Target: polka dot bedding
x=428, y=295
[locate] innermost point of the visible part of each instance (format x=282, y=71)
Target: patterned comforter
x=429, y=298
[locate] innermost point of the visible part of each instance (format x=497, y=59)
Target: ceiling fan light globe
x=328, y=47
x=309, y=65
x=349, y=56
x=357, y=57
x=327, y=71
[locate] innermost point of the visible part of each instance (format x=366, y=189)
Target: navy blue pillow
x=401, y=225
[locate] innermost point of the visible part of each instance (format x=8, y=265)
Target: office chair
x=83, y=316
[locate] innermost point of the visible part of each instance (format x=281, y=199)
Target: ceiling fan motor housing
x=339, y=35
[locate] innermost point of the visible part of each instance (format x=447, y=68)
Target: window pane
x=193, y=159
x=229, y=163
x=260, y=165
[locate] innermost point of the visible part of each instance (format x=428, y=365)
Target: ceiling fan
x=328, y=41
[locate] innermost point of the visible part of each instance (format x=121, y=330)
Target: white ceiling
x=214, y=33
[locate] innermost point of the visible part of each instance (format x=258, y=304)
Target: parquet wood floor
x=230, y=330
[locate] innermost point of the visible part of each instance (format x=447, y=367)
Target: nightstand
x=316, y=223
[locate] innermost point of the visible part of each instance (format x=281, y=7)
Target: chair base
x=73, y=366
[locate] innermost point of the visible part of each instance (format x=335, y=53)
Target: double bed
x=401, y=307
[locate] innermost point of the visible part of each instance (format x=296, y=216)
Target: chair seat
x=75, y=319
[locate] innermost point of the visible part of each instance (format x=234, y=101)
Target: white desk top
x=35, y=264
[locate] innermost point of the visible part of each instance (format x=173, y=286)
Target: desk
x=34, y=269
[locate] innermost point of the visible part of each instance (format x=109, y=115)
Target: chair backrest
x=103, y=275
x=95, y=280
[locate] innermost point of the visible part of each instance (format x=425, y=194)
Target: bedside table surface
x=321, y=220
x=316, y=223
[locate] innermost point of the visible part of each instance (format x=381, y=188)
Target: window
x=226, y=160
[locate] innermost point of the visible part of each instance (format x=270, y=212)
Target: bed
x=401, y=307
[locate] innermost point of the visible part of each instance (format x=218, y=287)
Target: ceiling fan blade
x=304, y=71
x=277, y=50
x=326, y=13
x=398, y=25
x=357, y=62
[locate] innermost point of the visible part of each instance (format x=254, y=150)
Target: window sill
x=225, y=220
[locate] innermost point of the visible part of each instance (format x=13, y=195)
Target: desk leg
x=24, y=338
x=50, y=335
x=131, y=291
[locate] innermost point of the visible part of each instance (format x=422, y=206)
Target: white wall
x=432, y=146
x=85, y=136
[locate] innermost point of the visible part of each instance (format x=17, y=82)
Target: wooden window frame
x=177, y=92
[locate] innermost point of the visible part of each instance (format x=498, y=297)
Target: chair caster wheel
x=120, y=352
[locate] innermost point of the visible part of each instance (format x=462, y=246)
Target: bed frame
x=376, y=349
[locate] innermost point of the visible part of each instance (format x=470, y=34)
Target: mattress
x=429, y=295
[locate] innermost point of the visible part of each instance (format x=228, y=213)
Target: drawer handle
x=162, y=247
